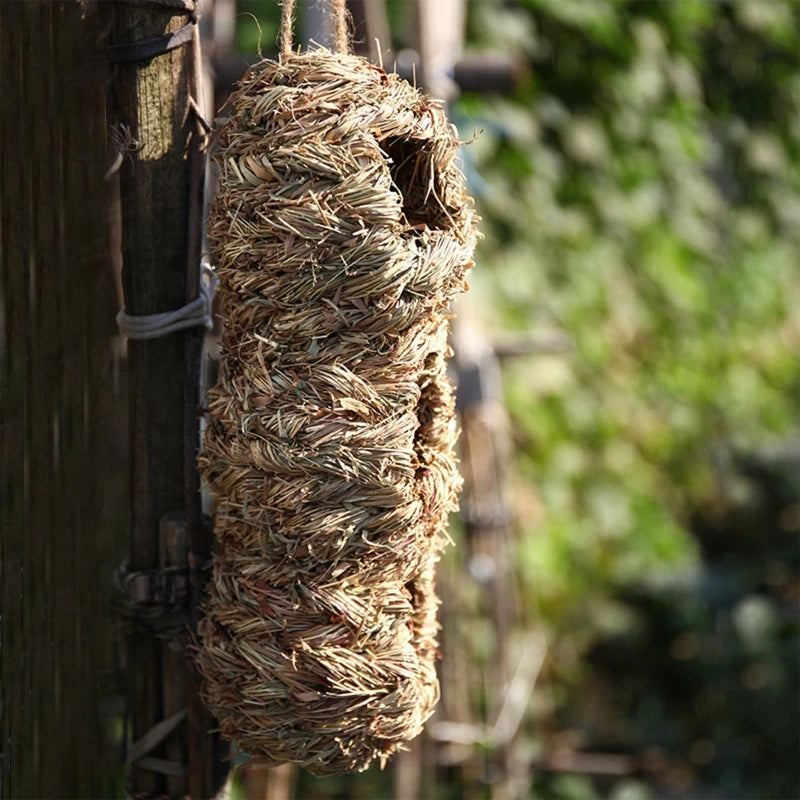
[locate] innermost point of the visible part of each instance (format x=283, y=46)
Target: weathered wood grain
x=60, y=467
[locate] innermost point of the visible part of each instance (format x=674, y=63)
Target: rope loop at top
x=338, y=14
x=338, y=10
x=287, y=23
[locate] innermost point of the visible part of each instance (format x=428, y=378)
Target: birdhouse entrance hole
x=416, y=181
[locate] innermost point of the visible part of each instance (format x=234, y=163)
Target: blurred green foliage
x=257, y=26
x=641, y=192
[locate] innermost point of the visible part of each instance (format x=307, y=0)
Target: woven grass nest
x=341, y=233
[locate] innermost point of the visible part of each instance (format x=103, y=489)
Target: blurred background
x=620, y=612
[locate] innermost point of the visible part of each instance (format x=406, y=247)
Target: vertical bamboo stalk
x=161, y=189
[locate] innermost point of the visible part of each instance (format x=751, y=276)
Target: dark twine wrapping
x=341, y=233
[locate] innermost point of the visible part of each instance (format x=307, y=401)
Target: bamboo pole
x=161, y=184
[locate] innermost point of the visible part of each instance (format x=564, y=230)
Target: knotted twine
x=341, y=233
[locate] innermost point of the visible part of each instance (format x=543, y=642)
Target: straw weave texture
x=341, y=233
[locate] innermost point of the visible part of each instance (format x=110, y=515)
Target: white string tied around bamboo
x=196, y=313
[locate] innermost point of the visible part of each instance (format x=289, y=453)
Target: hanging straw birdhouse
x=341, y=234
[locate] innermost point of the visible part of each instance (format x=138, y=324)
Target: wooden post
x=161, y=184
x=61, y=472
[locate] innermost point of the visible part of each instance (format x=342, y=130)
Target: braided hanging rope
x=341, y=233
x=287, y=24
x=340, y=19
